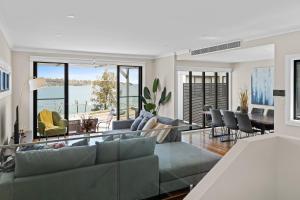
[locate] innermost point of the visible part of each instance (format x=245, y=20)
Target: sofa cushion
x=143, y=123
x=161, y=133
x=83, y=142
x=112, y=151
x=174, y=135
x=145, y=113
x=30, y=163
x=150, y=124
x=136, y=123
x=179, y=159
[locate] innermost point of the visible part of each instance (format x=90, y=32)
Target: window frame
x=290, y=90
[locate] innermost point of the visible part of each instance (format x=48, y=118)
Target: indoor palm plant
x=150, y=99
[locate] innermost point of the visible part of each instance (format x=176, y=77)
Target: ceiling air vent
x=221, y=47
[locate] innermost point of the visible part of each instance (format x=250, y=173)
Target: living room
x=97, y=101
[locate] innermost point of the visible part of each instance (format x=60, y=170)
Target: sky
x=81, y=73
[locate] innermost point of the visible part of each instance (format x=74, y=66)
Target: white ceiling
x=265, y=52
x=153, y=27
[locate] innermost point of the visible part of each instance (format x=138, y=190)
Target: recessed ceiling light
x=71, y=16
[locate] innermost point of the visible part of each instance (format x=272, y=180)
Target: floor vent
x=221, y=47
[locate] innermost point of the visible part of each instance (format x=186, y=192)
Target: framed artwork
x=4, y=80
x=7, y=82
x=262, y=84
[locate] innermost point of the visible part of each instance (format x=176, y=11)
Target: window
x=83, y=91
x=297, y=89
x=199, y=89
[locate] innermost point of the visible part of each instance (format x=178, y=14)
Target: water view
x=92, y=90
x=80, y=99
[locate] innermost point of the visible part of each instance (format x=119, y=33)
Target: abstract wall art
x=262, y=84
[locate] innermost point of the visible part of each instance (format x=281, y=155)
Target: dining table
x=262, y=122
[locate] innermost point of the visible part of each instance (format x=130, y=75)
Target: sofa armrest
x=124, y=124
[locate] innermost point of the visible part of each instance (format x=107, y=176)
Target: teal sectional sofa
x=126, y=169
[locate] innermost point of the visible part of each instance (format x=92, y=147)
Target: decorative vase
x=244, y=109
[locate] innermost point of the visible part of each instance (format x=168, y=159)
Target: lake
x=82, y=94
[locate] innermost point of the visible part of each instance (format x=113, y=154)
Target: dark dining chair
x=231, y=124
x=207, y=117
x=245, y=125
x=238, y=108
x=217, y=122
x=257, y=111
x=270, y=113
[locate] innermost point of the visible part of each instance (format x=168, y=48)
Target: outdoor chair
x=106, y=122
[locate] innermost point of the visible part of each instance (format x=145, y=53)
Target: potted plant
x=150, y=100
x=244, y=101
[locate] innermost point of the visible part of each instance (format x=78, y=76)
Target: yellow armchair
x=51, y=124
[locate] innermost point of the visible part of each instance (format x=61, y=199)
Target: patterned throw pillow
x=149, y=125
x=161, y=133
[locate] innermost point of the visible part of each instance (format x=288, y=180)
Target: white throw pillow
x=148, y=126
x=160, y=134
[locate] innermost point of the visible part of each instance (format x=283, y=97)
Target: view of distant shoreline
x=60, y=82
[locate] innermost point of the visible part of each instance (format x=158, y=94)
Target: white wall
x=5, y=99
x=165, y=70
x=285, y=44
x=241, y=79
x=22, y=72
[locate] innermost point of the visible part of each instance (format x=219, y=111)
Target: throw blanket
x=46, y=118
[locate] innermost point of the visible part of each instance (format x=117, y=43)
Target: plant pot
x=244, y=109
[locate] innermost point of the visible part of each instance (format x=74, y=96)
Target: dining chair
x=245, y=125
x=238, y=108
x=208, y=118
x=257, y=111
x=230, y=123
x=217, y=122
x=270, y=113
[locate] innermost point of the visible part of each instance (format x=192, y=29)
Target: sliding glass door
x=54, y=97
x=129, y=91
x=102, y=93
x=200, y=91
x=92, y=94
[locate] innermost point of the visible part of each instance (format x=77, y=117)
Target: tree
x=104, y=90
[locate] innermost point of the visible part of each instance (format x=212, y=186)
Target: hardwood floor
x=202, y=138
